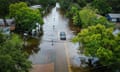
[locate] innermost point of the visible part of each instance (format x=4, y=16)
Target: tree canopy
x=65, y=4
x=4, y=7
x=2, y=38
x=99, y=41
x=25, y=17
x=88, y=17
x=115, y=5
x=102, y=6
x=12, y=57
x=45, y=3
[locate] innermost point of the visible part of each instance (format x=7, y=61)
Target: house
x=36, y=6
x=113, y=17
x=10, y=27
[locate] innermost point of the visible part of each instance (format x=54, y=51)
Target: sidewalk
x=43, y=68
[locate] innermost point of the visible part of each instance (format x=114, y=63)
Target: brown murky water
x=32, y=46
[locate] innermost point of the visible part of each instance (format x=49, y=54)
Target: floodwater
x=50, y=49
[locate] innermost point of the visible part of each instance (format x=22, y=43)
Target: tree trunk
x=5, y=22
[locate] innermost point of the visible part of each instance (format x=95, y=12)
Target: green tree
x=65, y=4
x=99, y=41
x=102, y=6
x=2, y=38
x=77, y=20
x=12, y=58
x=82, y=3
x=45, y=3
x=85, y=17
x=4, y=9
x=25, y=17
x=88, y=17
x=115, y=4
x=73, y=10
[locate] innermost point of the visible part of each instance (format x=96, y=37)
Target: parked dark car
x=62, y=36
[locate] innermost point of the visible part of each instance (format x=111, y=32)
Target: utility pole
x=52, y=43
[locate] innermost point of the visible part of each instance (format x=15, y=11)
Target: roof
x=36, y=6
x=114, y=15
x=9, y=21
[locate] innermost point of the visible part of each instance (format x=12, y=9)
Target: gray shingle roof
x=9, y=21
x=114, y=15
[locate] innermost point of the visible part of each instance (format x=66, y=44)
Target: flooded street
x=55, y=55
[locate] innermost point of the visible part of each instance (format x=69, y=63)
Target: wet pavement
x=55, y=55
x=43, y=68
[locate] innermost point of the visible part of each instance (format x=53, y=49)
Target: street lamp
x=25, y=37
x=52, y=42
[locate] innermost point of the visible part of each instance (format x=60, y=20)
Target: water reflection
x=55, y=22
x=32, y=46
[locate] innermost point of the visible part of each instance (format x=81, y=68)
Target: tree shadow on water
x=32, y=46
